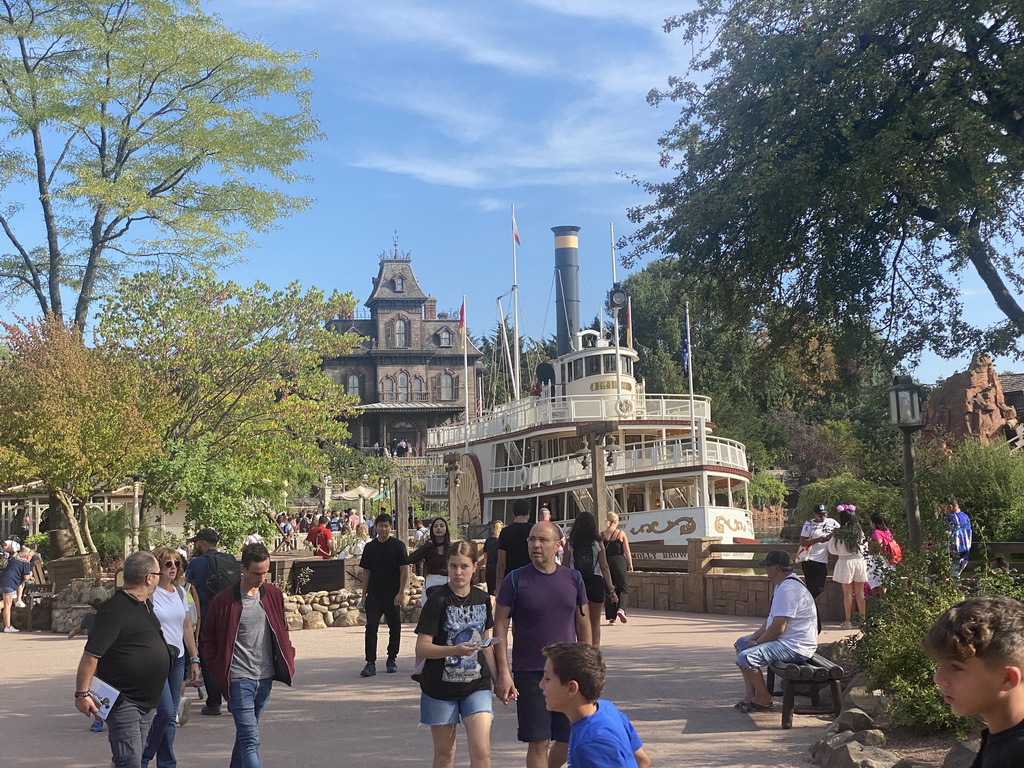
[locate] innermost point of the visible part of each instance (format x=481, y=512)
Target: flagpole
x=689, y=384
x=465, y=368
x=516, y=373
x=615, y=314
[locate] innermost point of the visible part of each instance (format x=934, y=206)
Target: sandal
x=753, y=706
x=740, y=704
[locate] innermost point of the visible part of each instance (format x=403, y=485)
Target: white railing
x=670, y=454
x=544, y=411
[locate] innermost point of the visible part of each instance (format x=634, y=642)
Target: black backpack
x=583, y=560
x=224, y=572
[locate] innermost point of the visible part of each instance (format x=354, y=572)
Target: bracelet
x=81, y=694
x=193, y=661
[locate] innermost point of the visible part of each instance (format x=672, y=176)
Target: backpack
x=577, y=579
x=224, y=572
x=583, y=560
x=892, y=549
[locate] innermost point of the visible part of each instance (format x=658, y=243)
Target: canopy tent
x=359, y=492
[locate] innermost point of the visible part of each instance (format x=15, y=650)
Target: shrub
x=40, y=542
x=868, y=497
x=889, y=649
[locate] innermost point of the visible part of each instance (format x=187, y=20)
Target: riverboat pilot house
x=408, y=372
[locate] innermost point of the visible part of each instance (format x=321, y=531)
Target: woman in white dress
x=851, y=570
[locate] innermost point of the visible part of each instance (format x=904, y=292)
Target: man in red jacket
x=321, y=539
x=244, y=639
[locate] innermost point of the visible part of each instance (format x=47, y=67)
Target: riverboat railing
x=544, y=411
x=667, y=454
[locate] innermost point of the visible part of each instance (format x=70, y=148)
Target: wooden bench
x=35, y=591
x=806, y=679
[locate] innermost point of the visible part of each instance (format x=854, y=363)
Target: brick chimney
x=430, y=308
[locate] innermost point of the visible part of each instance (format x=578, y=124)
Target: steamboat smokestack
x=567, y=289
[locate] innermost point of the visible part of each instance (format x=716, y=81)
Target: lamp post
x=905, y=414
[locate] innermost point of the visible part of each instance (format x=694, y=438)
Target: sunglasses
x=172, y=564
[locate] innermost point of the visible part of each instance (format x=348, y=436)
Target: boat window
x=563, y=374
x=577, y=369
x=609, y=363
x=627, y=365
x=593, y=365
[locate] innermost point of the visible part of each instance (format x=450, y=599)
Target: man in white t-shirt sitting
x=790, y=633
x=815, y=534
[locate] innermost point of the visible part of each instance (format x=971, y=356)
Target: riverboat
x=665, y=473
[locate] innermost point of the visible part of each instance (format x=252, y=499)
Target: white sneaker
x=20, y=604
x=11, y=629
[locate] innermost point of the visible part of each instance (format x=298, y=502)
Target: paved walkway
x=672, y=673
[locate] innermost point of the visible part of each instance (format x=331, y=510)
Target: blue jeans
x=246, y=700
x=161, y=733
x=760, y=656
x=127, y=726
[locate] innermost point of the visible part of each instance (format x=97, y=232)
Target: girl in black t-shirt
x=457, y=674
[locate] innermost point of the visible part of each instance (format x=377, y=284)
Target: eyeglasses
x=172, y=564
x=155, y=574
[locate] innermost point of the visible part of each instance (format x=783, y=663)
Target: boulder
x=854, y=719
x=313, y=620
x=971, y=404
x=293, y=620
x=318, y=608
x=962, y=755
x=856, y=755
x=860, y=697
x=328, y=619
x=912, y=762
x=823, y=748
x=871, y=738
x=305, y=610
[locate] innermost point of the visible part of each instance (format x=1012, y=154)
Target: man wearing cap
x=197, y=572
x=790, y=633
x=815, y=533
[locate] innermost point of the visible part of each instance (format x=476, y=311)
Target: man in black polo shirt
x=513, y=551
x=384, y=557
x=127, y=650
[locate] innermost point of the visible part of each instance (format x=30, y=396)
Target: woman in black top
x=434, y=554
x=491, y=557
x=620, y=562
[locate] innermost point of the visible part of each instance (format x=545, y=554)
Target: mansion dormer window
x=445, y=338
x=401, y=334
x=399, y=284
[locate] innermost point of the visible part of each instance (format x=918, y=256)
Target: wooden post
x=698, y=566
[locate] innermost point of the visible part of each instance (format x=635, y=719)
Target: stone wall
x=76, y=600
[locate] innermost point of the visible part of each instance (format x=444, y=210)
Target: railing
x=669, y=454
x=544, y=411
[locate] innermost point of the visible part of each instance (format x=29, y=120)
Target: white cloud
x=491, y=204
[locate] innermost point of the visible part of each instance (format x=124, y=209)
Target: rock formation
x=971, y=403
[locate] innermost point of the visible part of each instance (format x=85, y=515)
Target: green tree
x=252, y=403
x=846, y=162
x=78, y=419
x=145, y=132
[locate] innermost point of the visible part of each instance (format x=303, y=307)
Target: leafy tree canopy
x=143, y=131
x=252, y=403
x=847, y=161
x=76, y=418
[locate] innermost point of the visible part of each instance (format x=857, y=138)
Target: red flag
x=462, y=318
x=515, y=230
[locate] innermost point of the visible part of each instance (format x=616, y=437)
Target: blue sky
x=440, y=115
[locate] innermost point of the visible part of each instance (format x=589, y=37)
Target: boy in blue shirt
x=601, y=736
x=979, y=644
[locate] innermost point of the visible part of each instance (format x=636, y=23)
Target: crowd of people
x=548, y=591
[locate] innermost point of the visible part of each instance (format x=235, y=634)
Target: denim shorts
x=10, y=590
x=763, y=654
x=441, y=712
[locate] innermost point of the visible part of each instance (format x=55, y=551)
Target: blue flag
x=685, y=353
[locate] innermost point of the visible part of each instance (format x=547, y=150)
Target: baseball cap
x=819, y=509
x=779, y=557
x=205, y=534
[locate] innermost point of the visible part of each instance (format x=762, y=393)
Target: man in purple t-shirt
x=546, y=603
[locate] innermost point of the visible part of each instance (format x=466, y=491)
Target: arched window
x=389, y=388
x=352, y=385
x=417, y=389
x=401, y=334
x=446, y=338
x=403, y=386
x=399, y=284
x=447, y=387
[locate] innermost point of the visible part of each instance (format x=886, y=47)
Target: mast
x=516, y=388
x=615, y=314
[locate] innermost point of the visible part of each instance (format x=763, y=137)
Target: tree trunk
x=67, y=504
x=85, y=527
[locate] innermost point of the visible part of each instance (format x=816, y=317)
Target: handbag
x=803, y=554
